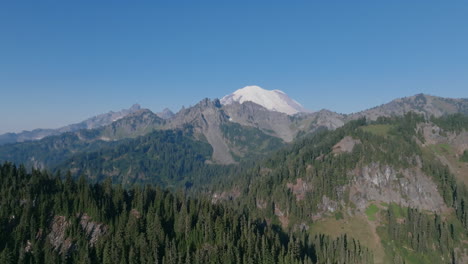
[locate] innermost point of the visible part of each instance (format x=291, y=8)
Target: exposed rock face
x=28, y=247
x=346, y=145
x=431, y=134
x=459, y=141
x=324, y=118
x=326, y=207
x=93, y=230
x=448, y=146
x=205, y=119
x=299, y=189
x=282, y=216
x=57, y=236
x=251, y=114
x=435, y=135
x=407, y=187
x=135, y=124
x=279, y=124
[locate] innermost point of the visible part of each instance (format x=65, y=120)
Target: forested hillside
x=165, y=158
x=53, y=150
x=44, y=219
x=384, y=181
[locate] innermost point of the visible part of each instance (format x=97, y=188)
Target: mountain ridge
x=90, y=123
x=214, y=122
x=425, y=104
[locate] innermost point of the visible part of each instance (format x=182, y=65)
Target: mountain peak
x=274, y=100
x=166, y=113
x=135, y=107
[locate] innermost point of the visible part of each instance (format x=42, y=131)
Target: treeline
x=44, y=219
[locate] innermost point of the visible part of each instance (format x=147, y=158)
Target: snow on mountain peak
x=274, y=100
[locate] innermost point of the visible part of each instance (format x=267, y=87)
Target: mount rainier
x=274, y=100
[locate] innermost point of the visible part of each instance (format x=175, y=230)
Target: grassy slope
x=358, y=227
x=446, y=154
x=379, y=129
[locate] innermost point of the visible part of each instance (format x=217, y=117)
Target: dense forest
x=165, y=158
x=428, y=236
x=47, y=219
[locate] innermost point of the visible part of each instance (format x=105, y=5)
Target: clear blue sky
x=64, y=61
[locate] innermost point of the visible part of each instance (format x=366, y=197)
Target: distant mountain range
x=249, y=122
x=424, y=104
x=91, y=123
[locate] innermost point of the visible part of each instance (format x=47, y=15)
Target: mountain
x=289, y=127
x=91, y=123
x=275, y=100
x=206, y=121
x=279, y=124
x=258, y=130
x=135, y=124
x=166, y=158
x=398, y=184
x=211, y=123
x=427, y=105
x=166, y=114
x=53, y=150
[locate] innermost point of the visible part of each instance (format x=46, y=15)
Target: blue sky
x=64, y=61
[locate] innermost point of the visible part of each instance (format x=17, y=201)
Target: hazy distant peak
x=90, y=123
x=166, y=113
x=135, y=107
x=274, y=100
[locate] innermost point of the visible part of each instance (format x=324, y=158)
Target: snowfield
x=274, y=100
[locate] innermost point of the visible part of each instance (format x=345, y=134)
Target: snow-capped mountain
x=274, y=100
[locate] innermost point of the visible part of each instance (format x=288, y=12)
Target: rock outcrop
x=406, y=187
x=60, y=242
